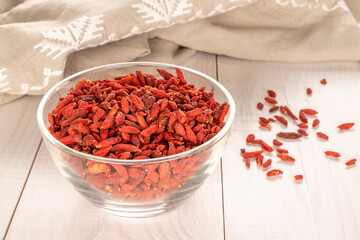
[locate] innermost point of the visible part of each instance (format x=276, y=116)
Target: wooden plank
x=62, y=213
x=256, y=207
x=19, y=143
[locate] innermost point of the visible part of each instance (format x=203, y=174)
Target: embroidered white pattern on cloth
x=72, y=36
x=3, y=84
x=47, y=75
x=162, y=10
x=340, y=4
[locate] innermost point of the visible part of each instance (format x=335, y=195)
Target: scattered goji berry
x=259, y=159
x=315, y=123
x=270, y=100
x=332, y=154
x=247, y=162
x=280, y=150
x=274, y=172
x=298, y=177
x=281, y=119
x=346, y=126
x=265, y=125
x=289, y=135
x=323, y=81
x=260, y=106
x=309, y=91
x=277, y=142
x=303, y=132
x=262, y=119
x=271, y=93
x=302, y=125
x=267, y=163
x=309, y=111
x=285, y=157
x=273, y=109
x=322, y=135
x=302, y=117
x=250, y=138
x=251, y=154
x=282, y=109
x=291, y=114
x=266, y=147
x=350, y=162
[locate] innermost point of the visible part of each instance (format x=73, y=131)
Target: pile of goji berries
x=283, y=154
x=137, y=117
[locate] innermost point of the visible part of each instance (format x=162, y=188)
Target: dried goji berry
x=264, y=124
x=289, y=135
x=136, y=173
x=190, y=134
x=322, y=135
x=277, y=142
x=302, y=117
x=280, y=150
x=262, y=119
x=309, y=111
x=270, y=100
x=109, y=121
x=108, y=142
x=266, y=147
x=291, y=114
x=129, y=130
x=247, y=162
x=303, y=132
x=346, y=126
x=350, y=162
x=125, y=148
x=260, y=106
x=298, y=177
x=259, y=159
x=273, y=109
x=332, y=154
x=251, y=154
x=267, y=163
x=315, y=123
x=271, y=93
x=285, y=157
x=150, y=130
x=274, y=172
x=302, y=125
x=323, y=81
x=250, y=138
x=63, y=103
x=281, y=119
x=309, y=91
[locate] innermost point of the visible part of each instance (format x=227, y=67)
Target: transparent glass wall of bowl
x=139, y=204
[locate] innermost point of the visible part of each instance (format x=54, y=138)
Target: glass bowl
x=180, y=174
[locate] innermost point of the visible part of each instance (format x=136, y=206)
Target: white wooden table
x=36, y=202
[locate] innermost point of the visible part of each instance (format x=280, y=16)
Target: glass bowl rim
x=45, y=132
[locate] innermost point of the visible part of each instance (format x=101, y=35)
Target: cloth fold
x=43, y=41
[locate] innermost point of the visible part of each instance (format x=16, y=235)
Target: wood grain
x=19, y=143
x=61, y=213
x=323, y=206
x=256, y=207
x=333, y=187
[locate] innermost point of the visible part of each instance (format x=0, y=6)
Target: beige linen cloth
x=41, y=41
